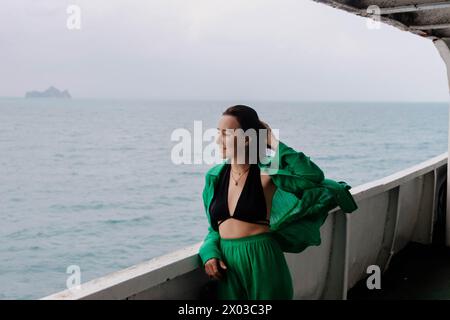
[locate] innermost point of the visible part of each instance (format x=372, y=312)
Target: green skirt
x=256, y=269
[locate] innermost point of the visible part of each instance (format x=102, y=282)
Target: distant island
x=51, y=92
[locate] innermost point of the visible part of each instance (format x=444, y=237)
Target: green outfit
x=300, y=206
x=256, y=269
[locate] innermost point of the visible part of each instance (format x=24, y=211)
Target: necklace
x=241, y=175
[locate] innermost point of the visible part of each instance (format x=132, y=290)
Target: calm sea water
x=91, y=182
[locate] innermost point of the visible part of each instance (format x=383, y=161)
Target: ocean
x=91, y=182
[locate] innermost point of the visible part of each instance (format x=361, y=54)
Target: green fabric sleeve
x=301, y=218
x=298, y=235
x=295, y=171
x=210, y=247
x=301, y=228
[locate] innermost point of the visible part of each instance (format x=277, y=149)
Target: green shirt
x=300, y=204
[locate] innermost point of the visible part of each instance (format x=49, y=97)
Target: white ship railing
x=405, y=206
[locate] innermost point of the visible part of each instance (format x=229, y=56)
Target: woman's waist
x=235, y=228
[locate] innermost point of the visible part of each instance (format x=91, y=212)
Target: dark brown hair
x=248, y=119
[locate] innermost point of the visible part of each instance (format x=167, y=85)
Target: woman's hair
x=248, y=119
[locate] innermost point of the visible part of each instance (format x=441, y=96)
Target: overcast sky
x=209, y=49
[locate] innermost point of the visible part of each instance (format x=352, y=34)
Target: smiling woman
x=278, y=207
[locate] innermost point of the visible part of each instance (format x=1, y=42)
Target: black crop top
x=251, y=205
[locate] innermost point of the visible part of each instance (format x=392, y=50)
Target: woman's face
x=227, y=139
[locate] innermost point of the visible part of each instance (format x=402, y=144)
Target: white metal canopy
x=426, y=18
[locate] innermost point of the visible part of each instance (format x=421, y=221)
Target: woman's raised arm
x=290, y=169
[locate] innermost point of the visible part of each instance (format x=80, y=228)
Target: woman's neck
x=239, y=167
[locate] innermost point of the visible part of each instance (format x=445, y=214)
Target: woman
x=258, y=210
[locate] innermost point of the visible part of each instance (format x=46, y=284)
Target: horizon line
x=230, y=99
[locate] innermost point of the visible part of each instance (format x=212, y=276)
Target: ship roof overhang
x=426, y=18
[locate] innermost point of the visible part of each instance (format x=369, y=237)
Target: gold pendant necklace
x=236, y=181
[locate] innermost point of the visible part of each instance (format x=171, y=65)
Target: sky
x=208, y=49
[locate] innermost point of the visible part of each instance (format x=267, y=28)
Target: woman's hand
x=272, y=141
x=212, y=268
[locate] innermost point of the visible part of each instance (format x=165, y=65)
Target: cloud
x=255, y=49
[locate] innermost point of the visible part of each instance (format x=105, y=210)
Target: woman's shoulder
x=215, y=169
